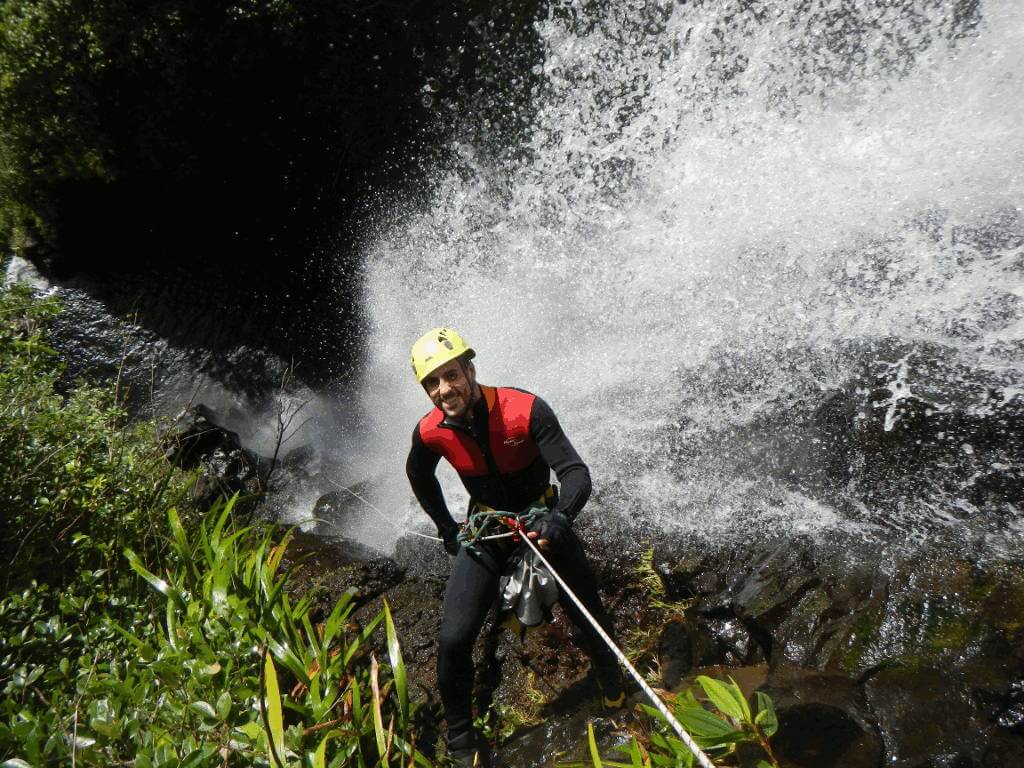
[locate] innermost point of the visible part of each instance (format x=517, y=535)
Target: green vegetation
x=78, y=480
x=204, y=659
x=727, y=723
x=640, y=641
x=137, y=637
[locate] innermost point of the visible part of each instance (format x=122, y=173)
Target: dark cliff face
x=223, y=160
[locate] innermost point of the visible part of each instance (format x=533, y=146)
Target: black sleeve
x=573, y=475
x=420, y=468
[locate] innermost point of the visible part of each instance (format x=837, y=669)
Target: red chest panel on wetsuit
x=508, y=421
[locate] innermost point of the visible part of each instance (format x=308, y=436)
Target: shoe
x=470, y=750
x=477, y=757
x=613, y=689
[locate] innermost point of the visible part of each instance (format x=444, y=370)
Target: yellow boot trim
x=614, y=703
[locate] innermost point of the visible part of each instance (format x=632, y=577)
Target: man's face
x=451, y=388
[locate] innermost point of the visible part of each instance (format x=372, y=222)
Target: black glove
x=554, y=527
x=451, y=542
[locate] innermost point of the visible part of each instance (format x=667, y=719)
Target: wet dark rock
x=300, y=458
x=196, y=441
x=133, y=330
x=699, y=641
x=342, y=510
x=328, y=569
x=824, y=721
x=422, y=558
x=1007, y=709
x=532, y=747
x=415, y=606
x=914, y=657
x=913, y=422
x=927, y=717
x=675, y=653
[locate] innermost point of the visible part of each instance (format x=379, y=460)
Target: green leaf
x=284, y=654
x=338, y=616
x=172, y=625
x=766, y=720
x=320, y=756
x=219, y=592
x=357, y=702
x=272, y=711
x=418, y=757
x=378, y=719
x=178, y=533
x=277, y=553
x=199, y=756
x=703, y=724
x=594, y=754
x=204, y=709
x=728, y=699
x=224, y=705
x=361, y=638
x=146, y=653
x=397, y=668
x=156, y=582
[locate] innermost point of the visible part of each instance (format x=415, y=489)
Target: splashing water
x=720, y=212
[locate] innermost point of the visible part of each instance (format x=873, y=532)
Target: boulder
x=196, y=441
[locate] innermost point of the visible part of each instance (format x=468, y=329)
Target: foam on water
x=735, y=181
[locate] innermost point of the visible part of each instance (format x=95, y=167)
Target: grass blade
x=155, y=581
x=178, y=533
x=397, y=668
x=362, y=637
x=378, y=718
x=594, y=754
x=272, y=716
x=320, y=756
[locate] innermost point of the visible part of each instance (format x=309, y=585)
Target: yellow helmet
x=435, y=348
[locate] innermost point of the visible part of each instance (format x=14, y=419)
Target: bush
x=208, y=662
x=214, y=666
x=71, y=466
x=720, y=727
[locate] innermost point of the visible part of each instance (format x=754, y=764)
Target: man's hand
x=550, y=531
x=451, y=541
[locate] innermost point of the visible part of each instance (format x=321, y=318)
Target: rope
x=380, y=512
x=477, y=526
x=702, y=758
x=481, y=524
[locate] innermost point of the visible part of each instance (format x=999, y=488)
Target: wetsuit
x=504, y=456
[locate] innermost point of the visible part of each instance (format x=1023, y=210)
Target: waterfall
x=722, y=212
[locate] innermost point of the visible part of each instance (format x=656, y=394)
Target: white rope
x=702, y=758
x=383, y=516
x=400, y=529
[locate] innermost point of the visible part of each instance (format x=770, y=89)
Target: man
x=503, y=443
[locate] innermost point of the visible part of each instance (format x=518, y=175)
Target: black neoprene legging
x=473, y=589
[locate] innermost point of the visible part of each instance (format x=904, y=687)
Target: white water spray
x=715, y=203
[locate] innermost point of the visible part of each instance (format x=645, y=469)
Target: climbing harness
x=487, y=524
x=484, y=523
x=698, y=753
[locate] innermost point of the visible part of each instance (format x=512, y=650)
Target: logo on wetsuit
x=511, y=441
